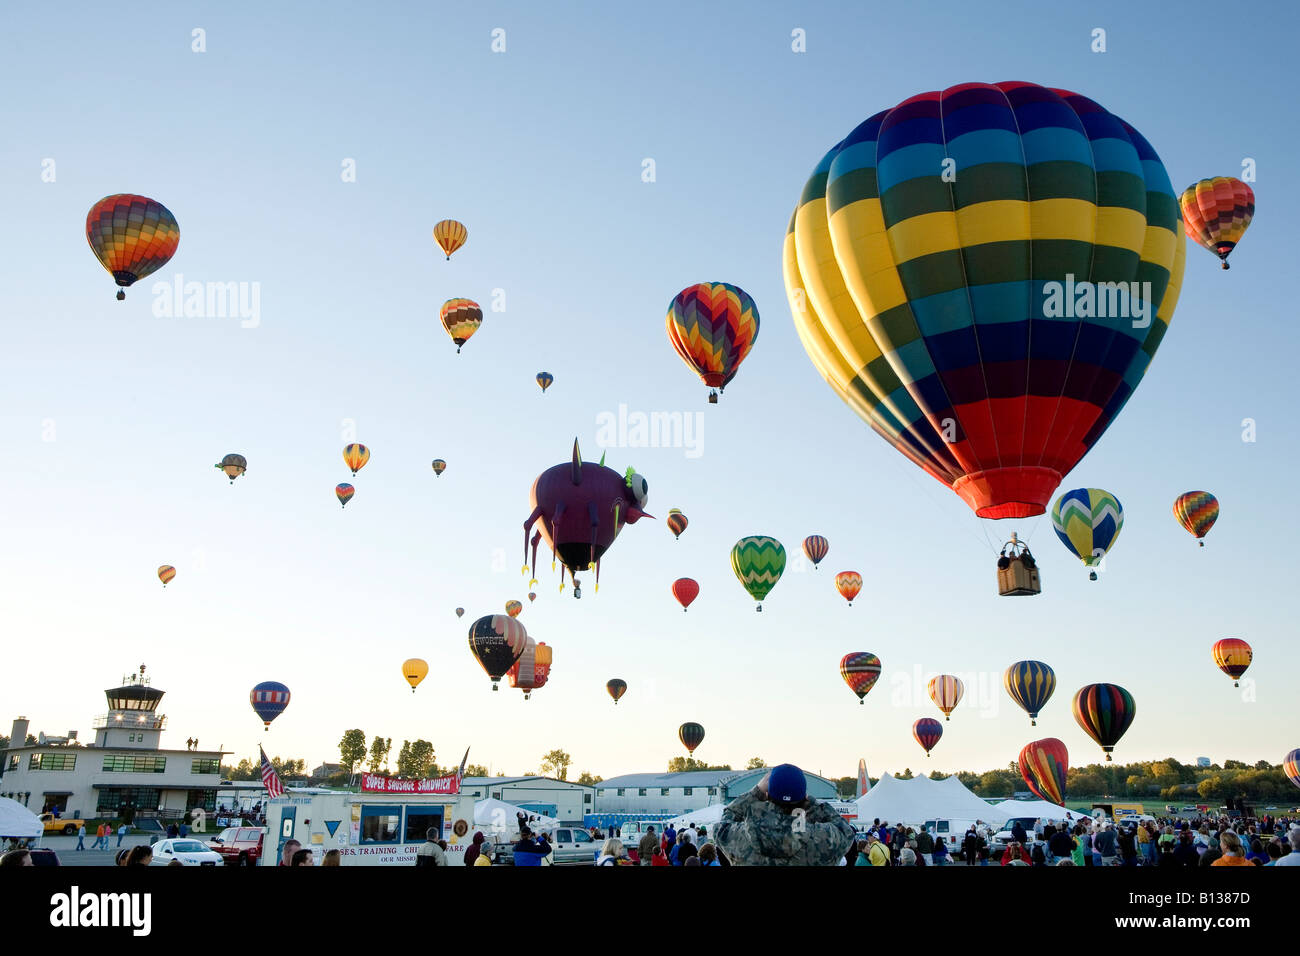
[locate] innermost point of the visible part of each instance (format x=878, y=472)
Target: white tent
x=709, y=816
x=17, y=821
x=913, y=802
x=501, y=817
x=1040, y=809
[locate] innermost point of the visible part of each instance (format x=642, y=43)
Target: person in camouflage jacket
x=776, y=824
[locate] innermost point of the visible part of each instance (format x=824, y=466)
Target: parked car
x=239, y=846
x=189, y=852
x=65, y=825
x=569, y=845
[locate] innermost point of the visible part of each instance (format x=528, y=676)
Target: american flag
x=270, y=779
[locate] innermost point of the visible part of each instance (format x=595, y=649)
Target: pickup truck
x=239, y=846
x=569, y=845
x=62, y=824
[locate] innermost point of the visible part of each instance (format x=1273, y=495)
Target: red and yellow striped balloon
x=1216, y=213
x=1045, y=764
x=355, y=457
x=1232, y=656
x=849, y=584
x=1197, y=511
x=713, y=326
x=946, y=691
x=450, y=235
x=166, y=573
x=132, y=236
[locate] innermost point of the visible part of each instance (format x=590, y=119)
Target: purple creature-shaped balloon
x=579, y=508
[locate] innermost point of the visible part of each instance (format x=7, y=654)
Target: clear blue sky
x=539, y=150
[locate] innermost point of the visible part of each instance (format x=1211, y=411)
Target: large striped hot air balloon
x=355, y=457
x=1105, y=712
x=713, y=326
x=815, y=548
x=1216, y=213
x=269, y=699
x=131, y=236
x=616, y=688
x=860, y=671
x=450, y=235
x=849, y=584
x=927, y=732
x=165, y=574
x=461, y=318
x=945, y=266
x=1030, y=684
x=1291, y=766
x=1197, y=511
x=1088, y=522
x=946, y=692
x=758, y=562
x=1232, y=656
x=676, y=522
x=691, y=735
x=497, y=640
x=685, y=590
x=1044, y=764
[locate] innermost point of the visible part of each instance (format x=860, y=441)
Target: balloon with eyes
x=579, y=508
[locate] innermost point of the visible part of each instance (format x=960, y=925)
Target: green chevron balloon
x=1088, y=522
x=758, y=562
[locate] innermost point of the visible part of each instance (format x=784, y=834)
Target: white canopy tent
x=17, y=821
x=913, y=802
x=1041, y=810
x=502, y=817
x=709, y=816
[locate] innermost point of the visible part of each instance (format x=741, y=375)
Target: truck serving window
x=380, y=824
x=419, y=820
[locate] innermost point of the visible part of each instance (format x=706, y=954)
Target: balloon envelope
x=344, y=493
x=1105, y=712
x=676, y=522
x=1217, y=212
x=713, y=326
x=1088, y=522
x=269, y=699
x=849, y=584
x=815, y=548
x=461, y=318
x=942, y=308
x=233, y=465
x=946, y=692
x=166, y=573
x=1233, y=656
x=415, y=671
x=355, y=457
x=439, y=466
x=758, y=562
x=497, y=641
x=450, y=235
x=860, y=671
x=685, y=590
x=544, y=379
x=1291, y=766
x=1030, y=684
x=616, y=688
x=131, y=236
x=1044, y=764
x=691, y=735
x=927, y=732
x=513, y=608
x=1197, y=511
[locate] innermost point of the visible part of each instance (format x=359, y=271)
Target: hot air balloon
x=691, y=735
x=131, y=236
x=1088, y=522
x=946, y=692
x=513, y=608
x=497, y=640
x=166, y=573
x=1044, y=764
x=233, y=465
x=269, y=699
x=685, y=590
x=461, y=318
x=1197, y=511
x=616, y=688
x=532, y=596
x=355, y=457
x=860, y=671
x=415, y=670
x=1104, y=711
x=945, y=311
x=451, y=235
x=758, y=562
x=460, y=612
x=848, y=583
x=344, y=492
x=927, y=732
x=815, y=547
x=1291, y=766
x=713, y=326
x=580, y=508
x=1030, y=684
x=1232, y=656
x=676, y=522
x=1217, y=212
x=439, y=466
x=531, y=670
x=544, y=379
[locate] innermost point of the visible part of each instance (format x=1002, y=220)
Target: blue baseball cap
x=786, y=784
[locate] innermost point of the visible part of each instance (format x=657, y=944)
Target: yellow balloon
x=414, y=671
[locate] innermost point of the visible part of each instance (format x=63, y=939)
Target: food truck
x=383, y=824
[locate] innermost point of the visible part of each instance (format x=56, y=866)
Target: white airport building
x=125, y=768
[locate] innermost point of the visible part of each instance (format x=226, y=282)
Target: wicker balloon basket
x=1017, y=570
